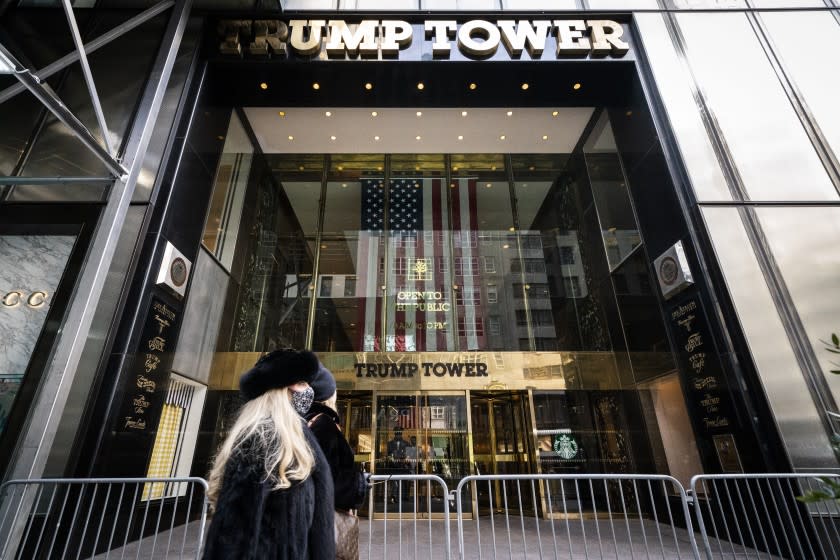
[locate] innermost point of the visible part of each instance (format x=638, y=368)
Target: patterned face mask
x=302, y=400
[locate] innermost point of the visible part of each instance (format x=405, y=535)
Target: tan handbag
x=346, y=535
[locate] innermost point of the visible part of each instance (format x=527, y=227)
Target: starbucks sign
x=565, y=446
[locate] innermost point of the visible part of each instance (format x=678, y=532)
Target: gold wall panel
x=438, y=371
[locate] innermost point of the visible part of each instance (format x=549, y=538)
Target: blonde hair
x=279, y=435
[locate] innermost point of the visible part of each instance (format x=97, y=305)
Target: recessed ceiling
x=514, y=130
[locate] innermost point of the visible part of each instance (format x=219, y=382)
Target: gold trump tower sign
x=374, y=39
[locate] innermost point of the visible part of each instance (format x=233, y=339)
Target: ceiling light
x=343, y=185
x=332, y=137
x=545, y=137
x=419, y=113
x=473, y=85
x=316, y=85
x=368, y=86
x=463, y=113
x=323, y=246
x=301, y=168
x=416, y=168
x=502, y=137
x=451, y=185
x=420, y=85
x=376, y=138
x=629, y=113
x=488, y=185
x=532, y=168
x=263, y=85
x=291, y=137
x=282, y=114
x=220, y=137
x=524, y=86
x=492, y=168
x=455, y=168
x=509, y=113
x=329, y=114
x=340, y=168
x=554, y=113
x=505, y=246
x=379, y=168
x=373, y=113
x=576, y=86
x=417, y=137
x=460, y=137
x=511, y=228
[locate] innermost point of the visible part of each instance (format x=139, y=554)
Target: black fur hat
x=276, y=370
x=323, y=383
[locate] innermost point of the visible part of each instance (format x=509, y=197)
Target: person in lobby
x=397, y=462
x=270, y=487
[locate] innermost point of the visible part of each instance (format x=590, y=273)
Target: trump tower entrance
x=462, y=235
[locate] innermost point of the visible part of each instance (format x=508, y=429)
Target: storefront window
x=31, y=267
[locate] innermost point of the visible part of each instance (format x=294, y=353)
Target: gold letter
x=36, y=299
x=570, y=39
x=519, y=36
x=396, y=35
x=443, y=31
x=313, y=44
x=344, y=39
x=606, y=37
x=480, y=28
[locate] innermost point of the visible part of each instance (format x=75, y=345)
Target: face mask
x=302, y=400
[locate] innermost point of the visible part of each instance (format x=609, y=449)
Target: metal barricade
x=574, y=516
x=102, y=518
x=408, y=517
x=741, y=515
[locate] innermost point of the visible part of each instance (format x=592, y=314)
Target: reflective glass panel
x=609, y=189
x=276, y=275
x=352, y=255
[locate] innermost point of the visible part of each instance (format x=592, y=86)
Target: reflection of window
x=326, y=286
x=349, y=286
x=438, y=412
x=489, y=264
x=531, y=242
x=545, y=344
x=399, y=266
x=465, y=239
x=468, y=296
x=499, y=359
x=620, y=281
x=534, y=266
x=492, y=294
x=466, y=266
x=473, y=327
x=521, y=317
x=567, y=255
x=443, y=264
x=494, y=326
x=613, y=254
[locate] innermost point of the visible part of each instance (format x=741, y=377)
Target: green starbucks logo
x=565, y=446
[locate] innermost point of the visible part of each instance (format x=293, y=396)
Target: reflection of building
x=513, y=229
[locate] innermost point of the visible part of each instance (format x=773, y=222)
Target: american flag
x=420, y=251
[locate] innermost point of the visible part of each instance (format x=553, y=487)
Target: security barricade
x=408, y=518
x=761, y=515
x=103, y=518
x=573, y=516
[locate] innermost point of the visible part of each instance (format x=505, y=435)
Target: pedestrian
x=270, y=486
x=349, y=482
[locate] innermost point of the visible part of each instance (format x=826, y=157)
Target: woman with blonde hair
x=271, y=489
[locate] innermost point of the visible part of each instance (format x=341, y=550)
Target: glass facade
x=489, y=294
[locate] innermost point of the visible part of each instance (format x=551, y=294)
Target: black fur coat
x=254, y=522
x=348, y=480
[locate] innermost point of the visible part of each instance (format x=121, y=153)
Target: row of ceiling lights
x=419, y=114
x=421, y=86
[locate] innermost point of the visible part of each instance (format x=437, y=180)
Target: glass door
x=501, y=446
x=354, y=407
x=419, y=433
